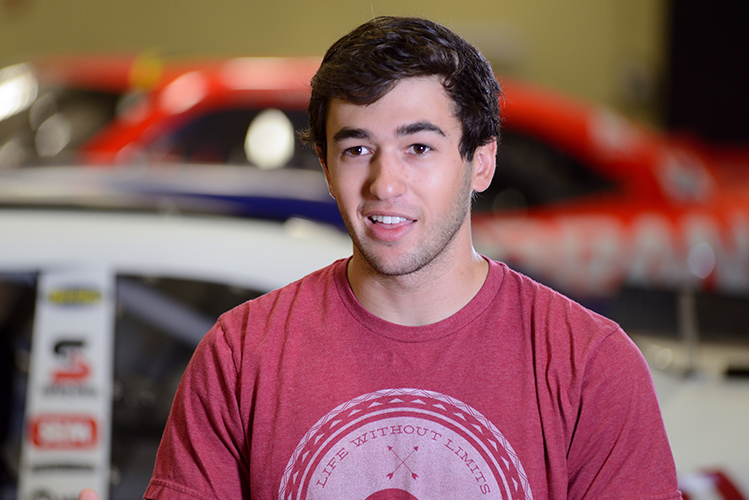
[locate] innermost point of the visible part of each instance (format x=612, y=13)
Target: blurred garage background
x=637, y=56
x=679, y=68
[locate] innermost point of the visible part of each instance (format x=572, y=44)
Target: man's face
x=395, y=169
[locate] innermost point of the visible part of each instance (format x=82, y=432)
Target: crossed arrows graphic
x=403, y=462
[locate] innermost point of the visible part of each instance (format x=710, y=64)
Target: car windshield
x=265, y=138
x=60, y=121
x=54, y=126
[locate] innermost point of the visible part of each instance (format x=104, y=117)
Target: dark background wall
x=708, y=84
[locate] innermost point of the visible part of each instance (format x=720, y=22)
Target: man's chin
x=389, y=266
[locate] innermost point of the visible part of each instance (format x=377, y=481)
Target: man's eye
x=420, y=149
x=356, y=151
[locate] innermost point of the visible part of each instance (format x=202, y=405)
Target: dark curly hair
x=367, y=63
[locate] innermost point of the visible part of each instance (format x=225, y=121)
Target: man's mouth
x=387, y=219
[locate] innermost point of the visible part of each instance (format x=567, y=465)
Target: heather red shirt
x=522, y=394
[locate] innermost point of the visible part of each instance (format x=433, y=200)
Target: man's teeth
x=387, y=219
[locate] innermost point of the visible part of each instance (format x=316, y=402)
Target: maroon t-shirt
x=304, y=394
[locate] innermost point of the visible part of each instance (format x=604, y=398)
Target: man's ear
x=324, y=165
x=484, y=164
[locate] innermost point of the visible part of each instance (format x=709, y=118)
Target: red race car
x=583, y=199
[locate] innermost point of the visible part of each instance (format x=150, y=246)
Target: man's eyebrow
x=350, y=133
x=404, y=130
x=422, y=126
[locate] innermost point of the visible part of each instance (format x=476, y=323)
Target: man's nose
x=387, y=176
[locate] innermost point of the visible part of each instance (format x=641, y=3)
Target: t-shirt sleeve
x=619, y=448
x=203, y=453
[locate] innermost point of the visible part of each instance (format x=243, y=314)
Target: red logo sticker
x=63, y=432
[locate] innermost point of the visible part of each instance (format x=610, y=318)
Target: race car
x=109, y=110
x=583, y=199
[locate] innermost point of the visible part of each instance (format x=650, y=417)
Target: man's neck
x=427, y=296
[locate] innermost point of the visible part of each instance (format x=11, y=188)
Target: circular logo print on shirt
x=404, y=444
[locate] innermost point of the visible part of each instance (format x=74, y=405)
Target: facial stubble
x=428, y=253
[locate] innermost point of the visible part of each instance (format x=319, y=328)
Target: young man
x=416, y=369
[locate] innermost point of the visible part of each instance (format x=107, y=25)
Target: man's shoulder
x=544, y=303
x=269, y=318
x=566, y=336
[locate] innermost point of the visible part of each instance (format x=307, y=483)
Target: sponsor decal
x=74, y=296
x=595, y=254
x=63, y=432
x=404, y=444
x=66, y=439
x=75, y=368
x=69, y=390
x=65, y=467
x=49, y=495
x=72, y=371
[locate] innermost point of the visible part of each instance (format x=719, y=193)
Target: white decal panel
x=66, y=445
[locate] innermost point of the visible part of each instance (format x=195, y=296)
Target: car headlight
x=18, y=89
